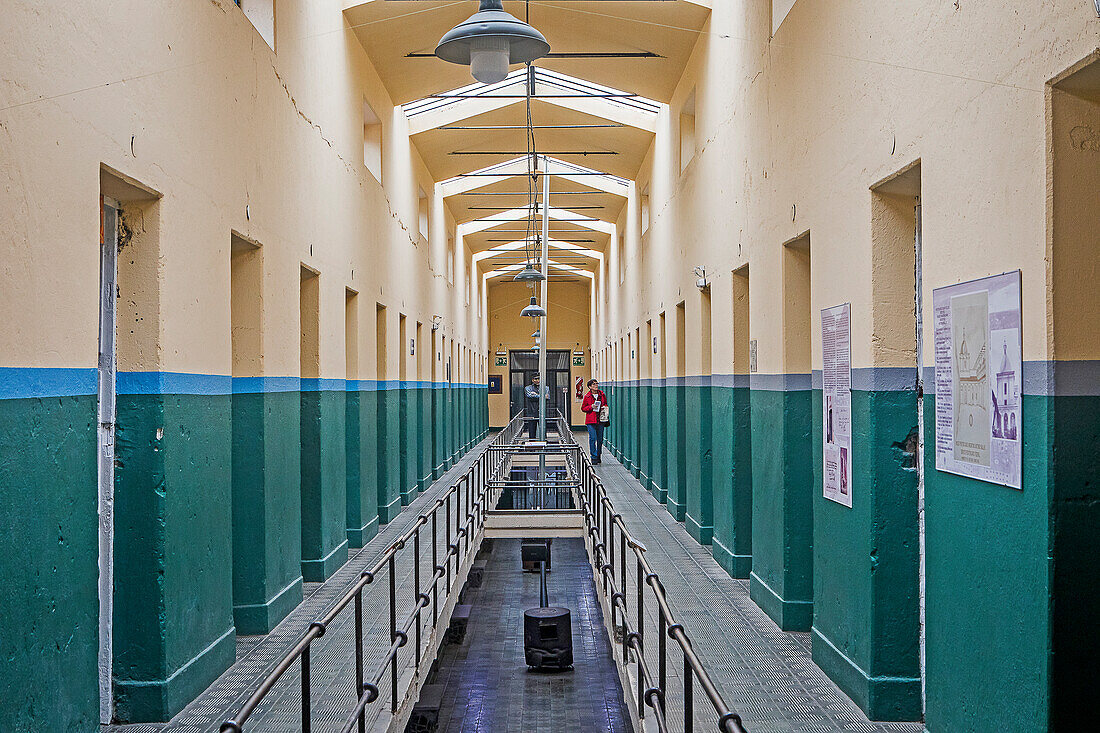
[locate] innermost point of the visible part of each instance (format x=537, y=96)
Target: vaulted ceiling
x=613, y=65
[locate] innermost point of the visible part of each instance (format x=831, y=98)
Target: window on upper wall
x=261, y=13
x=372, y=141
x=688, y=145
x=450, y=265
x=643, y=202
x=422, y=206
x=622, y=259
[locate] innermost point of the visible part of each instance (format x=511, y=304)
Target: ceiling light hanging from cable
x=529, y=274
x=534, y=310
x=489, y=41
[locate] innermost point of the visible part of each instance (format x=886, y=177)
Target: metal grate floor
x=486, y=684
x=333, y=661
x=765, y=675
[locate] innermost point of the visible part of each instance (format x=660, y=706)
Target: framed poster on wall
x=979, y=379
x=496, y=384
x=836, y=403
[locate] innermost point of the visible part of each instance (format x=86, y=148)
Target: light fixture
x=534, y=310
x=537, y=334
x=529, y=274
x=437, y=321
x=701, y=282
x=489, y=41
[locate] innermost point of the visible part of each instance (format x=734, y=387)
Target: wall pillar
x=782, y=498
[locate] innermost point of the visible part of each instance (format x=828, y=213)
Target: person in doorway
x=593, y=403
x=531, y=405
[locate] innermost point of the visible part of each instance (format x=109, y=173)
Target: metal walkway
x=487, y=686
x=334, y=661
x=765, y=674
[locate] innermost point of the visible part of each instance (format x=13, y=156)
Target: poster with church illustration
x=979, y=379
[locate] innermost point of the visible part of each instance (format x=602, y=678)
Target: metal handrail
x=367, y=691
x=601, y=521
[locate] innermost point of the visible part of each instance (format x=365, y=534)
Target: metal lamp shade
x=529, y=274
x=525, y=44
x=534, y=310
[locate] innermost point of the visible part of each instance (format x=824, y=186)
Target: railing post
x=689, y=708
x=306, y=722
x=622, y=562
x=416, y=591
x=435, y=564
x=393, y=632
x=359, y=656
x=661, y=659
x=611, y=562
x=641, y=642
x=447, y=538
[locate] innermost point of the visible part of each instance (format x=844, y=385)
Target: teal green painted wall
x=451, y=431
x=210, y=492
x=781, y=582
x=266, y=509
x=732, y=483
x=698, y=495
x=406, y=448
x=388, y=451
x=625, y=419
x=173, y=625
x=324, y=484
x=675, y=451
x=424, y=463
x=657, y=430
x=439, y=433
x=645, y=437
x=362, y=475
x=866, y=626
x=988, y=589
x=48, y=505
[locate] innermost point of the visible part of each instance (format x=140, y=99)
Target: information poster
x=979, y=379
x=836, y=403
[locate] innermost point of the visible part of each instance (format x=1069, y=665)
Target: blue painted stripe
x=323, y=385
x=265, y=385
x=43, y=382
x=878, y=379
x=1079, y=378
x=18, y=383
x=781, y=382
x=153, y=383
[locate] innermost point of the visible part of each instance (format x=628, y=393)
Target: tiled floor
x=764, y=674
x=487, y=686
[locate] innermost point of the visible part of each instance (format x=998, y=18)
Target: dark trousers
x=595, y=439
x=532, y=428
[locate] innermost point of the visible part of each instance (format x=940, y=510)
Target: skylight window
x=549, y=85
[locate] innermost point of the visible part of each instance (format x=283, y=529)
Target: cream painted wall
x=568, y=322
x=187, y=100
x=794, y=130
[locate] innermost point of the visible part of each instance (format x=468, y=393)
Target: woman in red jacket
x=593, y=402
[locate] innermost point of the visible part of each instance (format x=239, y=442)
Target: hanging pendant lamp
x=529, y=274
x=534, y=310
x=489, y=41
